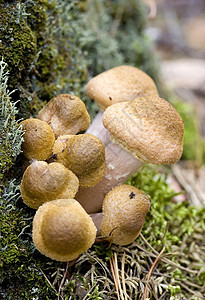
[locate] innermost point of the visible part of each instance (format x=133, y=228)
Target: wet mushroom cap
x=43, y=182
x=66, y=114
x=38, y=139
x=148, y=127
x=124, y=211
x=62, y=230
x=122, y=83
x=84, y=155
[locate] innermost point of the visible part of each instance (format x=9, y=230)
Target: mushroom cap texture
x=84, y=155
x=66, y=114
x=149, y=127
x=38, y=139
x=62, y=229
x=43, y=182
x=122, y=83
x=124, y=210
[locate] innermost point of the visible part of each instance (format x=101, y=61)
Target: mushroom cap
x=62, y=229
x=122, y=83
x=43, y=182
x=84, y=155
x=66, y=114
x=149, y=127
x=38, y=139
x=124, y=210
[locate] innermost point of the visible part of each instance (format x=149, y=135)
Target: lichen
x=11, y=134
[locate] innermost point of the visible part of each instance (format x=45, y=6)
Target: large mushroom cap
x=43, y=182
x=66, y=114
x=84, y=155
x=124, y=210
x=149, y=127
x=62, y=230
x=38, y=139
x=122, y=83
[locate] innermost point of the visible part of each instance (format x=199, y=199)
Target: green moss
x=18, y=44
x=64, y=44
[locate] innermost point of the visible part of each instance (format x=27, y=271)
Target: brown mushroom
x=43, y=182
x=66, y=114
x=38, y=139
x=119, y=84
x=84, y=155
x=62, y=230
x=146, y=129
x=123, y=214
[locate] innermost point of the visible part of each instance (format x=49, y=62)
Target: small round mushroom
x=146, y=129
x=43, y=182
x=84, y=155
x=38, y=139
x=62, y=230
x=123, y=214
x=66, y=114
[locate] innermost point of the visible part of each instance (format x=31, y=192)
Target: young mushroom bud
x=62, y=230
x=66, y=114
x=146, y=129
x=43, y=182
x=84, y=155
x=38, y=139
x=123, y=214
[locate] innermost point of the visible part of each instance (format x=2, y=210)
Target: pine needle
x=151, y=270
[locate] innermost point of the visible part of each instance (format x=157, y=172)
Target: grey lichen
x=11, y=135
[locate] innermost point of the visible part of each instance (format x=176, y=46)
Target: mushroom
x=123, y=214
x=84, y=155
x=66, y=114
x=62, y=230
x=43, y=182
x=119, y=84
x=145, y=130
x=38, y=139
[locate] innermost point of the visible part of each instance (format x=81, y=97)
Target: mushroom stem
x=97, y=220
x=120, y=165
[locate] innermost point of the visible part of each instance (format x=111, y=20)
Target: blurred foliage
x=194, y=143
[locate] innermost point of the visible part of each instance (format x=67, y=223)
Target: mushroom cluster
x=76, y=180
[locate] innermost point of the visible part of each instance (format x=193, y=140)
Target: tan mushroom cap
x=38, y=139
x=149, y=127
x=66, y=114
x=84, y=155
x=122, y=83
x=43, y=182
x=62, y=230
x=124, y=210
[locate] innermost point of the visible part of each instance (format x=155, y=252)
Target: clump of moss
x=54, y=47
